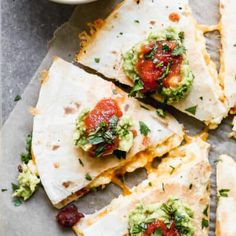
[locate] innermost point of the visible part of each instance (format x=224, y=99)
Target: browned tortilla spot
x=55, y=147
x=69, y=110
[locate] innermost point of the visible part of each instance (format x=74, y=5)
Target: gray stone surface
x=27, y=26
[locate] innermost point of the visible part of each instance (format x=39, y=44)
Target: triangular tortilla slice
x=228, y=53
x=226, y=190
x=65, y=92
x=131, y=23
x=177, y=176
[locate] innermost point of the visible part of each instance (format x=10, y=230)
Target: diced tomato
x=159, y=224
x=102, y=112
x=154, y=60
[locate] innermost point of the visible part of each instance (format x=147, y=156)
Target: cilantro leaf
x=17, y=98
x=138, y=85
x=181, y=36
x=178, y=51
x=88, y=177
x=165, y=47
x=4, y=189
x=158, y=232
x=26, y=156
x=143, y=128
x=97, y=60
x=119, y=154
x=224, y=192
x=17, y=202
x=205, y=223
x=192, y=110
x=160, y=112
x=14, y=187
x=205, y=212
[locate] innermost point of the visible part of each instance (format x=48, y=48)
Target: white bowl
x=73, y=1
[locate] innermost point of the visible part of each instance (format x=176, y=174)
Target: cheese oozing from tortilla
x=63, y=167
x=129, y=24
x=184, y=183
x=226, y=209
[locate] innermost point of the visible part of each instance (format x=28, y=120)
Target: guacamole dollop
x=122, y=130
x=154, y=64
x=173, y=211
x=27, y=181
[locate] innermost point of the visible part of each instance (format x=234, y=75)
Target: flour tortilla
x=65, y=92
x=188, y=160
x=131, y=23
x=226, y=209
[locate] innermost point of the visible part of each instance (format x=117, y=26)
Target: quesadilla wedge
x=173, y=194
x=157, y=48
x=228, y=52
x=226, y=209
x=86, y=130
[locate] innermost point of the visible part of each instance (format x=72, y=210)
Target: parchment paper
x=36, y=217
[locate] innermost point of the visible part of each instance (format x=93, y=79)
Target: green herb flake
x=205, y=223
x=224, y=192
x=178, y=51
x=81, y=162
x=97, y=60
x=4, y=189
x=137, y=21
x=121, y=33
x=160, y=112
x=192, y=110
x=234, y=45
x=150, y=184
x=205, y=212
x=172, y=169
x=165, y=47
x=181, y=36
x=201, y=98
x=88, y=177
x=17, y=98
x=14, y=187
x=217, y=161
x=138, y=85
x=163, y=187
x=17, y=202
x=119, y=154
x=158, y=232
x=143, y=128
x=26, y=156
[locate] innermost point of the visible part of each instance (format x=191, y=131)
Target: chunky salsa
x=158, y=65
x=160, y=227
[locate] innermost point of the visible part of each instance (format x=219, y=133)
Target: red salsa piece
x=158, y=66
x=69, y=216
x=102, y=113
x=159, y=224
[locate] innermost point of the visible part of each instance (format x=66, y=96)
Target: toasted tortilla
x=184, y=183
x=228, y=53
x=226, y=209
x=130, y=23
x=62, y=167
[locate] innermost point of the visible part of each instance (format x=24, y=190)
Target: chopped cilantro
x=121, y=33
x=81, y=163
x=192, y=110
x=152, y=53
x=17, y=98
x=14, y=187
x=169, y=36
x=201, y=98
x=17, y=202
x=234, y=45
x=143, y=128
x=181, y=36
x=178, y=51
x=4, y=189
x=88, y=177
x=163, y=187
x=218, y=160
x=119, y=154
x=160, y=64
x=26, y=156
x=205, y=223
x=224, y=192
x=205, y=212
x=139, y=228
x=158, y=232
x=165, y=47
x=150, y=184
x=97, y=60
x=138, y=85
x=161, y=112
x=172, y=169
x=137, y=21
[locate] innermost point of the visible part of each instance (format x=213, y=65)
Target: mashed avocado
x=122, y=130
x=168, y=95
x=171, y=211
x=27, y=181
